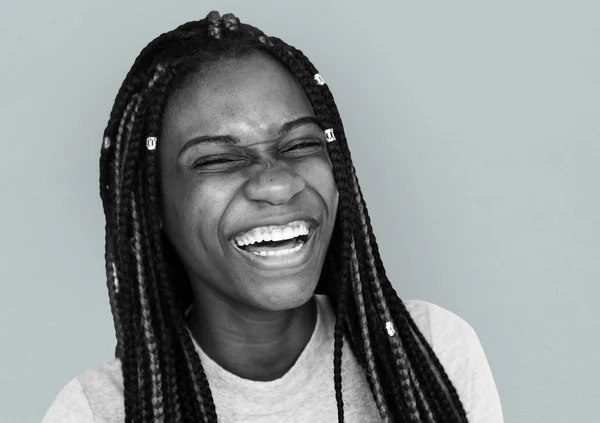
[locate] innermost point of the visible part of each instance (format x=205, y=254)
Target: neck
x=250, y=343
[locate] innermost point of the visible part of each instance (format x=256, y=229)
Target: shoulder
x=452, y=338
x=96, y=395
x=442, y=328
x=460, y=352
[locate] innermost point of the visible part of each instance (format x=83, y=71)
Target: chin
x=285, y=296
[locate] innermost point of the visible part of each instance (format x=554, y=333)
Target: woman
x=243, y=273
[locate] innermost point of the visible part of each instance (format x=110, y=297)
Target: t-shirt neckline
x=218, y=375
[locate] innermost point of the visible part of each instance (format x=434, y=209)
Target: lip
x=291, y=261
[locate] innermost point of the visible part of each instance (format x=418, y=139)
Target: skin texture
x=252, y=319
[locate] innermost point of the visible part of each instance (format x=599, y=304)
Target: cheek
x=318, y=173
x=193, y=208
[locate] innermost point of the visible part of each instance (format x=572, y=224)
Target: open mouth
x=274, y=241
x=276, y=248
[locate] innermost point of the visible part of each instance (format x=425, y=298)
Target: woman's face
x=241, y=158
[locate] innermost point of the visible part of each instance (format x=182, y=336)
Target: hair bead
x=106, y=143
x=319, y=79
x=389, y=326
x=329, y=135
x=151, y=143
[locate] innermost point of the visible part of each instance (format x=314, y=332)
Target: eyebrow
x=230, y=139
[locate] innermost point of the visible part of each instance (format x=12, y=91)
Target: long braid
x=372, y=372
x=127, y=124
x=163, y=376
x=133, y=374
x=168, y=370
x=403, y=364
x=150, y=344
x=149, y=379
x=173, y=409
x=159, y=372
x=430, y=369
x=128, y=312
x=110, y=226
x=107, y=185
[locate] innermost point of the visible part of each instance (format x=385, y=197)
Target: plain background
x=475, y=131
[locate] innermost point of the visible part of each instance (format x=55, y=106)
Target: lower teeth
x=299, y=245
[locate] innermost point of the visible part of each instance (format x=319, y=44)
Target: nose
x=275, y=185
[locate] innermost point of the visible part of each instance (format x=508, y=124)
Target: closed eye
x=218, y=163
x=305, y=146
x=213, y=162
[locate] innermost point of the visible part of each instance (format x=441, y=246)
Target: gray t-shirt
x=306, y=392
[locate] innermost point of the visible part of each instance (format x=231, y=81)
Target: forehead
x=252, y=96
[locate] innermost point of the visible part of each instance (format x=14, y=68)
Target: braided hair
x=163, y=377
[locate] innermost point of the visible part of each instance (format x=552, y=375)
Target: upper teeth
x=273, y=233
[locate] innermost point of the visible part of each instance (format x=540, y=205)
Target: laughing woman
x=243, y=274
